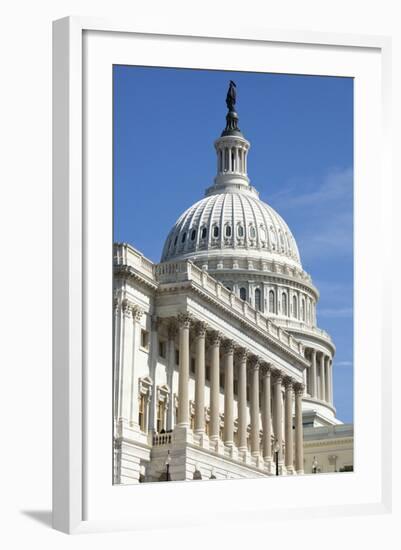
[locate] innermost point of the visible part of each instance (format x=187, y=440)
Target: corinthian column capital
x=184, y=320
x=299, y=389
x=228, y=347
x=200, y=329
x=242, y=354
x=254, y=362
x=214, y=338
x=137, y=313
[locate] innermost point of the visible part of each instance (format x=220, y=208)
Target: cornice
x=196, y=289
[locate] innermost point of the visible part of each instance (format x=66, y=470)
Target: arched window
x=228, y=230
x=203, y=233
x=193, y=234
x=258, y=299
x=284, y=307
x=232, y=161
x=252, y=232
x=240, y=230
x=262, y=232
x=242, y=293
x=295, y=307
x=216, y=231
x=272, y=302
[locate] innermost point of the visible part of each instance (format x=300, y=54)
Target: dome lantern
x=232, y=151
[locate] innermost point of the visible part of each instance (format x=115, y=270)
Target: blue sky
x=301, y=162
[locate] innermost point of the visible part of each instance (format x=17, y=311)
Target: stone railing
x=162, y=439
x=125, y=254
x=293, y=324
x=171, y=272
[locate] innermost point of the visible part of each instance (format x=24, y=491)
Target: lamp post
x=276, y=451
x=168, y=460
x=314, y=465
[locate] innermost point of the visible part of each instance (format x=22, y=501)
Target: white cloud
x=343, y=363
x=336, y=186
x=335, y=312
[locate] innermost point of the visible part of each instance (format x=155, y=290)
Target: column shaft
x=242, y=423
x=313, y=375
x=322, y=378
x=255, y=428
x=214, y=422
x=228, y=393
x=299, y=437
x=183, y=369
x=170, y=373
x=289, y=442
x=266, y=416
x=327, y=378
x=200, y=379
x=278, y=415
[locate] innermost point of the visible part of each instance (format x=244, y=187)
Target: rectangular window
x=162, y=349
x=144, y=339
x=141, y=415
x=177, y=356
x=193, y=365
x=207, y=373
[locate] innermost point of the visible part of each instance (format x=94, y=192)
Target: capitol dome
x=242, y=241
x=232, y=222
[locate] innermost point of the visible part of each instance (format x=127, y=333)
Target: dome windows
x=295, y=307
x=228, y=230
x=272, y=301
x=284, y=305
x=252, y=232
x=184, y=236
x=203, y=232
x=193, y=234
x=258, y=299
x=242, y=293
x=215, y=231
x=240, y=231
x=262, y=233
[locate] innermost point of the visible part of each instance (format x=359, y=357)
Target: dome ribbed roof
x=232, y=223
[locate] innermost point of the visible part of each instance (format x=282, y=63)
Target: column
x=172, y=333
x=200, y=335
x=214, y=422
x=242, y=416
x=266, y=415
x=289, y=441
x=230, y=166
x=331, y=382
x=184, y=321
x=125, y=360
x=255, y=429
x=152, y=357
x=299, y=436
x=228, y=392
x=137, y=313
x=322, y=379
x=313, y=376
x=278, y=413
x=327, y=378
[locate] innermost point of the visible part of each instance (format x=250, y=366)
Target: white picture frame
x=83, y=49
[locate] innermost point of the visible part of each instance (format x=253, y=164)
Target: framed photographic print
x=213, y=200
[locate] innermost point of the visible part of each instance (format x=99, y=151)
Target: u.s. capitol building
x=219, y=366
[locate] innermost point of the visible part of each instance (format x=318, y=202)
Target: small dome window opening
x=228, y=230
x=203, y=233
x=184, y=236
x=240, y=231
x=193, y=234
x=216, y=231
x=252, y=232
